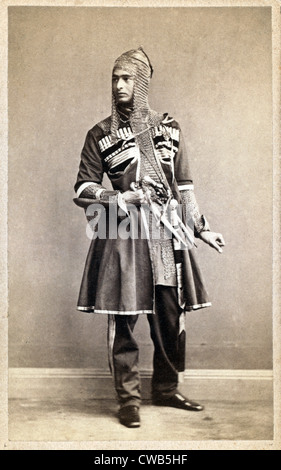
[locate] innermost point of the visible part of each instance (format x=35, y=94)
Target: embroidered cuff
x=90, y=190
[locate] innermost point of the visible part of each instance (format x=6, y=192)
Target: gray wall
x=213, y=74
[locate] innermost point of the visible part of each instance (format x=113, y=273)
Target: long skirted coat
x=118, y=277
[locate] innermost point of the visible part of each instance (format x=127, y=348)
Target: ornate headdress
x=137, y=63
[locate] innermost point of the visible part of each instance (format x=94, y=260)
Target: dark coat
x=118, y=276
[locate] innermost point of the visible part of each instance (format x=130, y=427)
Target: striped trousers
x=168, y=335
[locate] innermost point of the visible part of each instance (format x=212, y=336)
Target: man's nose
x=119, y=84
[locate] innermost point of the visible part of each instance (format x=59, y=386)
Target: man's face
x=122, y=86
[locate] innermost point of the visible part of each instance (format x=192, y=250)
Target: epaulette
x=167, y=119
x=105, y=125
x=170, y=121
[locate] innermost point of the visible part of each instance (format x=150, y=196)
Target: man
x=144, y=156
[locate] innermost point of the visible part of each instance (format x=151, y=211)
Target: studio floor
x=86, y=420
x=237, y=409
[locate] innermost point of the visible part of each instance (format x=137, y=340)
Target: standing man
x=144, y=156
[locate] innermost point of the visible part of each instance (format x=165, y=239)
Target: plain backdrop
x=212, y=72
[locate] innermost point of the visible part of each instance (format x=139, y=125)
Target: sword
x=160, y=216
x=176, y=220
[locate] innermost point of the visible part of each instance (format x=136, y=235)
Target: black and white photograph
x=141, y=225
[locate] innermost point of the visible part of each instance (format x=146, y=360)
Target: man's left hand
x=215, y=240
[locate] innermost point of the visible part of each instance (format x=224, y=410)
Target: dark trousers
x=169, y=349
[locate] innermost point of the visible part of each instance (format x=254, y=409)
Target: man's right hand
x=133, y=196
